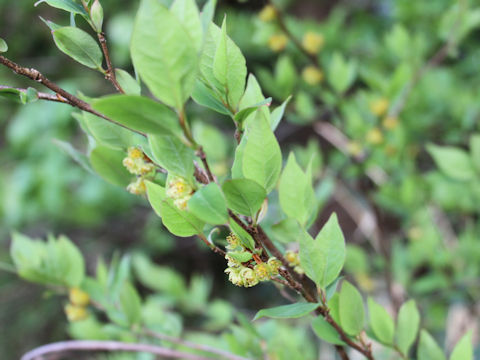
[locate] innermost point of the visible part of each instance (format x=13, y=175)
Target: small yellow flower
x=292, y=258
x=375, y=136
x=274, y=265
x=181, y=203
x=75, y=313
x=379, y=106
x=78, y=297
x=354, y=148
x=178, y=188
x=234, y=275
x=233, y=242
x=135, y=153
x=268, y=13
x=262, y=271
x=313, y=42
x=249, y=277
x=312, y=75
x=278, y=42
x=390, y=122
x=137, y=187
x=135, y=162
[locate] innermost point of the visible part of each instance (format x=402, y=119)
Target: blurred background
x=402, y=216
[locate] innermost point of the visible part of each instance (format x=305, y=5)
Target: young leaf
x=323, y=258
x=252, y=99
x=96, y=14
x=207, y=15
x=67, y=5
x=76, y=155
x=341, y=73
x=163, y=54
x=187, y=12
x=277, y=114
x=130, y=303
x=286, y=231
x=204, y=96
x=139, y=113
x=453, y=162
x=464, y=349
x=107, y=163
x=127, y=82
x=178, y=222
x=428, y=348
x=381, y=322
x=244, y=196
x=325, y=331
x=208, y=204
x=173, y=155
x=290, y=311
x=79, y=45
x=408, y=322
x=262, y=158
x=245, y=238
x=3, y=46
x=295, y=191
x=242, y=115
x=351, y=310
x=229, y=67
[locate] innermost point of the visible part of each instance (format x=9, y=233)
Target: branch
x=206, y=348
x=41, y=96
x=110, y=74
x=82, y=345
x=70, y=99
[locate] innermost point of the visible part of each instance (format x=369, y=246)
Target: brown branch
x=72, y=100
x=214, y=248
x=110, y=73
x=87, y=345
x=201, y=154
x=40, y=95
x=224, y=354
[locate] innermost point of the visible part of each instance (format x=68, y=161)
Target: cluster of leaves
x=179, y=53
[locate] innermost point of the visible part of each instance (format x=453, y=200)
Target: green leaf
x=237, y=166
x=453, y=162
x=252, y=99
x=187, y=12
x=277, y=114
x=245, y=238
x=325, y=331
x=351, y=310
x=173, y=155
x=262, y=157
x=51, y=25
x=464, y=349
x=475, y=151
x=286, y=231
x=67, y=5
x=290, y=311
x=139, y=113
x=295, y=191
x=208, y=204
x=178, y=222
x=207, y=15
x=131, y=304
x=323, y=258
x=127, y=82
x=341, y=73
x=107, y=163
x=204, y=96
x=79, y=45
x=76, y=155
x=229, y=67
x=408, y=323
x=243, y=114
x=381, y=322
x=96, y=14
x=244, y=196
x=3, y=46
x=240, y=256
x=428, y=348
x=163, y=54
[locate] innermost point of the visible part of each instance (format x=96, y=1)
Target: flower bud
x=312, y=75
x=78, y=297
x=96, y=14
x=268, y=13
x=278, y=42
x=75, y=313
x=178, y=188
x=262, y=271
x=292, y=258
x=233, y=242
x=312, y=42
x=379, y=106
x=135, y=162
x=137, y=187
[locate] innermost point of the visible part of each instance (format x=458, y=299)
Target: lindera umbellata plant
x=146, y=145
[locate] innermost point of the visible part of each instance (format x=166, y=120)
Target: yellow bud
x=375, y=136
x=268, y=13
x=78, y=297
x=379, y=106
x=137, y=187
x=75, y=313
x=278, y=42
x=292, y=258
x=354, y=148
x=135, y=153
x=312, y=42
x=312, y=75
x=390, y=122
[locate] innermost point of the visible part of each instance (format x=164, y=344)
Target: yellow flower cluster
x=313, y=42
x=375, y=136
x=250, y=275
x=180, y=191
x=267, y=14
x=278, y=42
x=138, y=164
x=379, y=107
x=294, y=261
x=312, y=75
x=76, y=310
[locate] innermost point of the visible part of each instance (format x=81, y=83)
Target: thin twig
x=191, y=345
x=40, y=95
x=110, y=74
x=87, y=345
x=72, y=100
